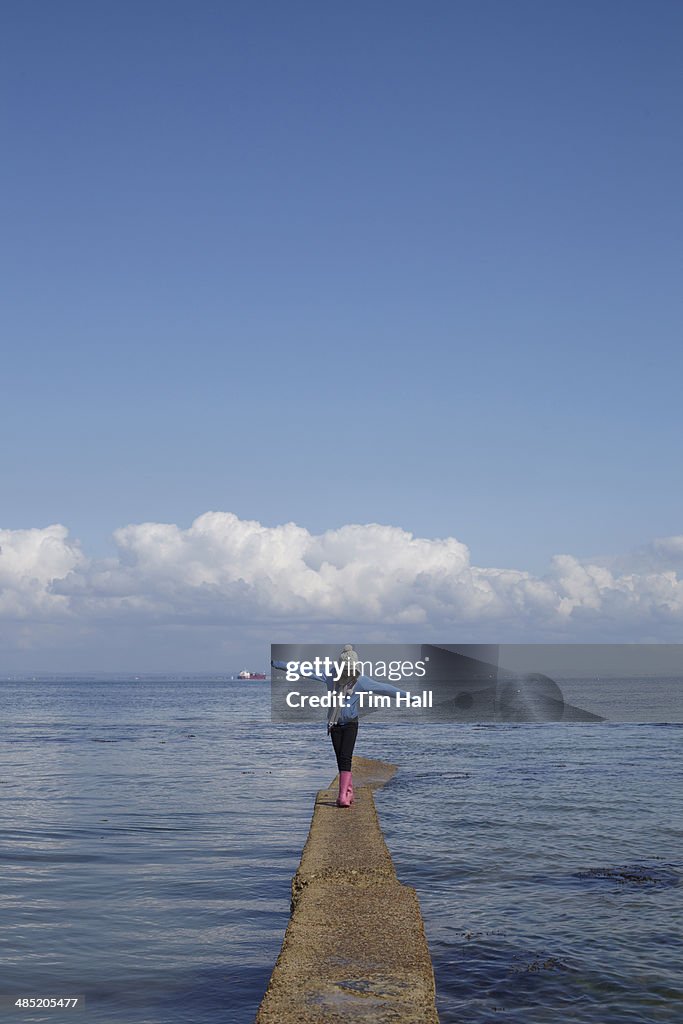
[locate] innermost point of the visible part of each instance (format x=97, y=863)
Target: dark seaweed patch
x=653, y=876
x=550, y=963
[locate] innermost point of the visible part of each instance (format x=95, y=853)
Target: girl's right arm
x=369, y=685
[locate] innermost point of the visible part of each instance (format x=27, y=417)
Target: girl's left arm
x=304, y=675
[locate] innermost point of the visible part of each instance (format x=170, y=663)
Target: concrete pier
x=355, y=947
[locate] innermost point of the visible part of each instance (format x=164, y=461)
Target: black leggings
x=343, y=741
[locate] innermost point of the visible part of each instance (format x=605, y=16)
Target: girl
x=342, y=718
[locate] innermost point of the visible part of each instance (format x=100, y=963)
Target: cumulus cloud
x=30, y=562
x=224, y=571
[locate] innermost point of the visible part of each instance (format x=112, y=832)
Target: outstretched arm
x=304, y=675
x=367, y=684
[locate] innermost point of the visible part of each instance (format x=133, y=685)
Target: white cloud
x=670, y=549
x=30, y=560
x=223, y=571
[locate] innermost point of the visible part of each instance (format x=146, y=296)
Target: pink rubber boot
x=349, y=789
x=343, y=798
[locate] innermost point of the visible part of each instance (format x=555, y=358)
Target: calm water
x=149, y=831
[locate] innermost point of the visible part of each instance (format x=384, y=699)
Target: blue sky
x=377, y=262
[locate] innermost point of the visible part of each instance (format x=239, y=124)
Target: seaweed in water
x=550, y=963
x=654, y=876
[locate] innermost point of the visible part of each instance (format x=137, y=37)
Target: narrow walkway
x=355, y=947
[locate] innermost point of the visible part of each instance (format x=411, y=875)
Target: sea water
x=149, y=831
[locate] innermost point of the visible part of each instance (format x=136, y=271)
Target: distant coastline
x=128, y=677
